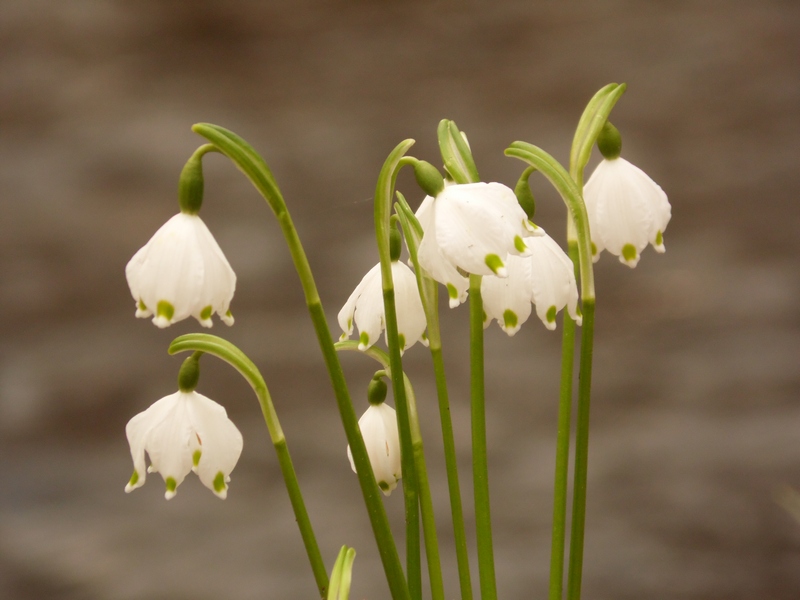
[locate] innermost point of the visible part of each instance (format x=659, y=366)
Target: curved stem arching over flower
x=224, y=350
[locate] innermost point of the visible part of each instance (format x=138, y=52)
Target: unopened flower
x=184, y=432
x=627, y=210
x=181, y=272
x=378, y=427
x=545, y=277
x=365, y=308
x=473, y=227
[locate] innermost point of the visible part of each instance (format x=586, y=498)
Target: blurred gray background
x=696, y=415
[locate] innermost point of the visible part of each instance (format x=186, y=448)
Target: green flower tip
x=551, y=314
x=172, y=486
x=428, y=178
x=165, y=309
x=629, y=253
x=142, y=306
x=219, y=483
x=510, y=319
x=452, y=292
x=190, y=186
x=495, y=263
x=363, y=341
x=659, y=238
x=134, y=478
x=384, y=486
x=401, y=340
x=376, y=391
x=519, y=244
x=609, y=142
x=205, y=314
x=196, y=457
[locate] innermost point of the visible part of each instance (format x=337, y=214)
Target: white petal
x=181, y=265
x=627, y=210
x=220, y=443
x=378, y=427
x=553, y=280
x=369, y=312
x=411, y=321
x=475, y=221
x=508, y=300
x=347, y=312
x=431, y=258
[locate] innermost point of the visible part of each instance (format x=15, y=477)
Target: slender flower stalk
x=222, y=349
x=425, y=499
x=430, y=302
x=257, y=171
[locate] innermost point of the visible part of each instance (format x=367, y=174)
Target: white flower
x=545, y=278
x=626, y=210
x=378, y=427
x=365, y=308
x=472, y=227
x=181, y=272
x=184, y=432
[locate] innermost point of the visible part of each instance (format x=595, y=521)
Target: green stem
x=581, y=454
x=384, y=192
x=562, y=452
x=226, y=351
x=480, y=466
x=426, y=501
x=430, y=301
x=257, y=171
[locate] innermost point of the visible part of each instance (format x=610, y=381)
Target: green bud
x=609, y=142
x=376, y=391
x=395, y=244
x=189, y=374
x=428, y=178
x=190, y=186
x=524, y=193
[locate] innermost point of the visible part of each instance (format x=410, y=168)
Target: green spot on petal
x=551, y=314
x=172, y=485
x=494, y=262
x=401, y=339
x=165, y=309
x=229, y=314
x=205, y=314
x=510, y=318
x=383, y=485
x=349, y=324
x=594, y=249
x=659, y=239
x=219, y=482
x=519, y=244
x=134, y=478
x=196, y=457
x=452, y=292
x=363, y=339
x=143, y=306
x=629, y=252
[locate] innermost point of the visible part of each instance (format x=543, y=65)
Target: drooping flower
x=545, y=277
x=378, y=427
x=181, y=272
x=473, y=227
x=184, y=432
x=365, y=308
x=627, y=210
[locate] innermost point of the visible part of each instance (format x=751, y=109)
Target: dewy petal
x=553, y=280
x=627, y=210
x=220, y=443
x=378, y=427
x=181, y=265
x=432, y=259
x=508, y=300
x=177, y=432
x=475, y=221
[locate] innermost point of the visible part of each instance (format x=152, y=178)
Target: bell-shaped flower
x=184, y=432
x=365, y=308
x=545, y=277
x=473, y=227
x=181, y=272
x=627, y=210
x=378, y=427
